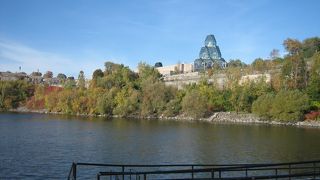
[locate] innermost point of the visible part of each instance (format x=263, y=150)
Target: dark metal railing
x=305, y=169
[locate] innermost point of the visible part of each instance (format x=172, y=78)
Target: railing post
x=98, y=176
x=314, y=170
x=145, y=176
x=74, y=171
x=246, y=172
x=289, y=171
x=212, y=174
x=122, y=172
x=276, y=173
x=192, y=175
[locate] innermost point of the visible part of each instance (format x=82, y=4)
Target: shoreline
x=217, y=117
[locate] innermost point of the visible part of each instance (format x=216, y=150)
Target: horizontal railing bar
x=254, y=177
x=204, y=165
x=173, y=171
x=275, y=176
x=269, y=169
x=282, y=168
x=152, y=165
x=201, y=170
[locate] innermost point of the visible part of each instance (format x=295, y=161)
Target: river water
x=39, y=146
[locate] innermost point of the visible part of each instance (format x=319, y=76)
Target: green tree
x=194, y=104
x=243, y=96
x=146, y=71
x=13, y=93
x=240, y=99
x=310, y=46
x=233, y=74
x=263, y=105
x=294, y=72
x=173, y=107
x=48, y=75
x=289, y=105
x=5, y=102
x=81, y=80
x=106, y=103
x=155, y=96
x=126, y=102
x=111, y=67
x=70, y=83
x=36, y=74
x=51, y=102
x=313, y=88
x=116, y=76
x=97, y=74
x=65, y=101
x=62, y=78
x=293, y=46
x=259, y=65
x=236, y=63
x=215, y=98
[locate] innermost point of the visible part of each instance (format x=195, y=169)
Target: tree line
x=293, y=93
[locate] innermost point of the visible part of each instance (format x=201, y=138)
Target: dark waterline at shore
x=40, y=146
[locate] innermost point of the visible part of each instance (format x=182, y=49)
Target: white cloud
x=13, y=55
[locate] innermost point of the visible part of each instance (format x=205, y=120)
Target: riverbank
x=217, y=117
x=243, y=118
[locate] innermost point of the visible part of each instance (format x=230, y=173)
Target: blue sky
x=72, y=35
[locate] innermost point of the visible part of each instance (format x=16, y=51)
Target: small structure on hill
x=158, y=64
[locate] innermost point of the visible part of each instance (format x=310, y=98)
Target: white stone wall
x=220, y=80
x=255, y=78
x=183, y=68
x=165, y=70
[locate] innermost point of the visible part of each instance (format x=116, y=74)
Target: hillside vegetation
x=292, y=95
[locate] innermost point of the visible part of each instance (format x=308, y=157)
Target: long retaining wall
x=220, y=80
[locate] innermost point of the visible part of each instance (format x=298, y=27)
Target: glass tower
x=209, y=55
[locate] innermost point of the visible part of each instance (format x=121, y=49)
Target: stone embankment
x=222, y=117
x=23, y=109
x=242, y=118
x=232, y=117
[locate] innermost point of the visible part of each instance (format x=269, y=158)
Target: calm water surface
x=37, y=146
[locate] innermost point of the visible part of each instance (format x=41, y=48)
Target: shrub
x=263, y=105
x=289, y=105
x=194, y=104
x=313, y=115
x=285, y=106
x=173, y=108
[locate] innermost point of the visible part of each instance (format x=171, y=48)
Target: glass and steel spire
x=209, y=55
x=210, y=41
